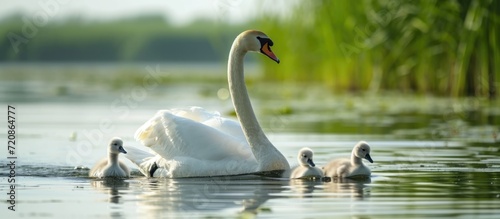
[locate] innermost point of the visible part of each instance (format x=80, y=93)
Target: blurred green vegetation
x=144, y=38
x=448, y=48
x=445, y=48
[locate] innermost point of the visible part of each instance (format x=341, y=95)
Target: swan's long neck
x=268, y=157
x=251, y=127
x=112, y=159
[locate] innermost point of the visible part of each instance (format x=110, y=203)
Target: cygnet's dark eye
x=115, y=144
x=363, y=149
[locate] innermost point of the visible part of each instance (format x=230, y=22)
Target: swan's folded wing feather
x=194, y=113
x=212, y=119
x=228, y=126
x=171, y=136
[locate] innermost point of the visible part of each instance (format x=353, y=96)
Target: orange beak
x=266, y=50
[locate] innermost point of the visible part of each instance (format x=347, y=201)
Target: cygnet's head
x=116, y=146
x=362, y=150
x=305, y=157
x=257, y=41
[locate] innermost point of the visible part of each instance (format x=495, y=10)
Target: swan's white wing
x=212, y=119
x=194, y=113
x=193, y=142
x=227, y=126
x=172, y=136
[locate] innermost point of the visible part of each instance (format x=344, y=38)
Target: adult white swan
x=195, y=143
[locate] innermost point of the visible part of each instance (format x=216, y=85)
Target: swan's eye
x=363, y=149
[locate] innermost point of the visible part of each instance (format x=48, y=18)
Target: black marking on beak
x=265, y=48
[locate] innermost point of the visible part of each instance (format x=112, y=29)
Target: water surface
x=434, y=157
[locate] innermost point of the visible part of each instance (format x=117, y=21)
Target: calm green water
x=434, y=157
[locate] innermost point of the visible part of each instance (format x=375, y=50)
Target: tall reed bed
x=448, y=47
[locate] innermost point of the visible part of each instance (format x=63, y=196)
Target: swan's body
x=353, y=167
x=111, y=166
x=306, y=168
x=194, y=142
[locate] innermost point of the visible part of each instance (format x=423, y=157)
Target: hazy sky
x=179, y=11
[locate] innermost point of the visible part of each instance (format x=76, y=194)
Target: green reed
x=447, y=48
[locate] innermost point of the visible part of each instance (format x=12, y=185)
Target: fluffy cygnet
x=111, y=167
x=306, y=168
x=353, y=167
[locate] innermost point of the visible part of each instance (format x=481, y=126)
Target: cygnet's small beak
x=369, y=158
x=122, y=150
x=310, y=162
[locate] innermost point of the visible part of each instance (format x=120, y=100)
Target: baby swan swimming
x=354, y=167
x=306, y=168
x=111, y=167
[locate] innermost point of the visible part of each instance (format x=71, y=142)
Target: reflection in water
x=338, y=187
x=305, y=187
x=112, y=185
x=168, y=197
x=342, y=187
x=162, y=197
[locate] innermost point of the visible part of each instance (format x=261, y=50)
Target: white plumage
x=182, y=147
x=194, y=142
